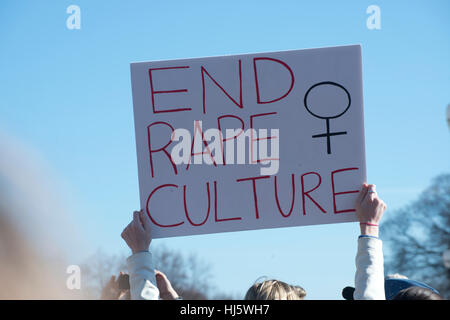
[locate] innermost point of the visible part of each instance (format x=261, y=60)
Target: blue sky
x=67, y=94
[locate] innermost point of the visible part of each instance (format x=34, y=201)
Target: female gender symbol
x=327, y=118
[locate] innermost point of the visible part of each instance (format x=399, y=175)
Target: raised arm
x=369, y=277
x=138, y=237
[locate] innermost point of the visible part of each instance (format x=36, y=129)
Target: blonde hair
x=274, y=290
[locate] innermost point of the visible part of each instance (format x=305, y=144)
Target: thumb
x=145, y=220
x=362, y=194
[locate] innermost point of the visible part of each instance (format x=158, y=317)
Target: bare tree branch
x=417, y=235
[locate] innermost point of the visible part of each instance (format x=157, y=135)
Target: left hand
x=137, y=234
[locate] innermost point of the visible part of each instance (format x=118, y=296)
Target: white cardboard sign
x=302, y=164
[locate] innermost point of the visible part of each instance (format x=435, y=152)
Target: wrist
x=369, y=229
x=134, y=251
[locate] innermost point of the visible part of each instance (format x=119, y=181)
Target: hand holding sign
x=369, y=209
x=137, y=234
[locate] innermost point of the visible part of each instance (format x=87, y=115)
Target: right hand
x=369, y=209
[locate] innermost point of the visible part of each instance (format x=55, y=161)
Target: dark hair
x=417, y=293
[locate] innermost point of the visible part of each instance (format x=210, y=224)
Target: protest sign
x=249, y=141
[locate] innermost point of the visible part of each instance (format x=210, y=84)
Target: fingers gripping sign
x=369, y=209
x=138, y=234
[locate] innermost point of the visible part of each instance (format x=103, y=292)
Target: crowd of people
x=27, y=273
x=144, y=282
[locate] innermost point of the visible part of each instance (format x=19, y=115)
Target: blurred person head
x=23, y=273
x=34, y=229
x=400, y=287
x=408, y=289
x=274, y=290
x=417, y=293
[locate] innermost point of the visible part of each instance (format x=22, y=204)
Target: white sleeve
x=369, y=277
x=142, y=277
